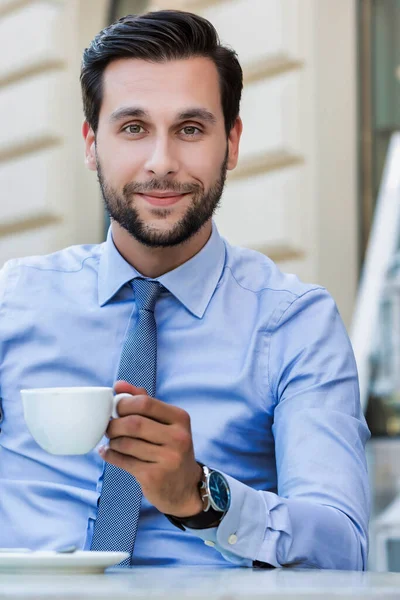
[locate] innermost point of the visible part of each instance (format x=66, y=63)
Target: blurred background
x=317, y=187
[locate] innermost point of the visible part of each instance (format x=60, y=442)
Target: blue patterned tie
x=121, y=496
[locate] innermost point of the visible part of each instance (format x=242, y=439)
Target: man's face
x=161, y=149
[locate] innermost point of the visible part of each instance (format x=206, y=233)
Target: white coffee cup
x=69, y=420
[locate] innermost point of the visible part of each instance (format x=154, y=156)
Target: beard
x=122, y=210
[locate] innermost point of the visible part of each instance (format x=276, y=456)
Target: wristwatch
x=215, y=494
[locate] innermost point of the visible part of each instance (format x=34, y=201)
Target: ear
x=90, y=146
x=233, y=144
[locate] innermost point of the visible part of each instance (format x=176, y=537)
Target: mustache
x=160, y=185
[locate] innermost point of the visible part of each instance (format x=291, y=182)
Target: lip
x=166, y=199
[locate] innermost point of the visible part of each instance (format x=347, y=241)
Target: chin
x=161, y=225
x=160, y=221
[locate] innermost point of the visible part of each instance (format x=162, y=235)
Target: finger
x=153, y=409
x=136, y=426
x=118, y=460
x=137, y=449
x=123, y=387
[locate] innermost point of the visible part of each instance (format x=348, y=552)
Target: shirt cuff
x=240, y=534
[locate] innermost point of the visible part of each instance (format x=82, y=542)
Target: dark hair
x=157, y=37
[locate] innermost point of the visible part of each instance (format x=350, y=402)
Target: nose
x=161, y=161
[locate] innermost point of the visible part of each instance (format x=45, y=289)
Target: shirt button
x=209, y=543
x=232, y=539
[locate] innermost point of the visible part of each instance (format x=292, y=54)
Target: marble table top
x=209, y=583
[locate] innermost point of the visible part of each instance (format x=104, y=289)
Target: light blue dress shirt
x=260, y=361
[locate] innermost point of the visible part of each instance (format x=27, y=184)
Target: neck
x=153, y=262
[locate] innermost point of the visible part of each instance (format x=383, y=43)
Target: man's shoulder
x=30, y=271
x=69, y=259
x=256, y=272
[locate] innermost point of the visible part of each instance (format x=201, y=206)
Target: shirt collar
x=192, y=283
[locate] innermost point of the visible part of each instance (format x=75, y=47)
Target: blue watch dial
x=219, y=491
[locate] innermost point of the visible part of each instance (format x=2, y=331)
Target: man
x=250, y=447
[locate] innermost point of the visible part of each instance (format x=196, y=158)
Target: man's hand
x=152, y=440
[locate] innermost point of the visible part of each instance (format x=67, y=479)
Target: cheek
x=204, y=164
x=119, y=159
x=119, y=167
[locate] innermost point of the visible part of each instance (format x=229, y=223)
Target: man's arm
x=320, y=516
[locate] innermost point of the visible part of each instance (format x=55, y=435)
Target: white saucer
x=80, y=562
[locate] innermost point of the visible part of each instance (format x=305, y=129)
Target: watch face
x=219, y=491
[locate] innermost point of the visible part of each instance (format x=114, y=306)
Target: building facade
x=293, y=195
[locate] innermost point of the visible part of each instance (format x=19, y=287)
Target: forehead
x=161, y=87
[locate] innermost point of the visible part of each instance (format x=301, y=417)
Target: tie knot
x=146, y=293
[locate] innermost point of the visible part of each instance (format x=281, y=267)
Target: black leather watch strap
x=203, y=520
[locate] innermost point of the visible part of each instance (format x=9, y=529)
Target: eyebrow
x=197, y=113
x=128, y=112
x=186, y=115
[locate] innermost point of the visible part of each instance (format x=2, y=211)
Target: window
x=120, y=8
x=379, y=52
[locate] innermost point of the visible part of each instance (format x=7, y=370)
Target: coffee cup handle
x=116, y=400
